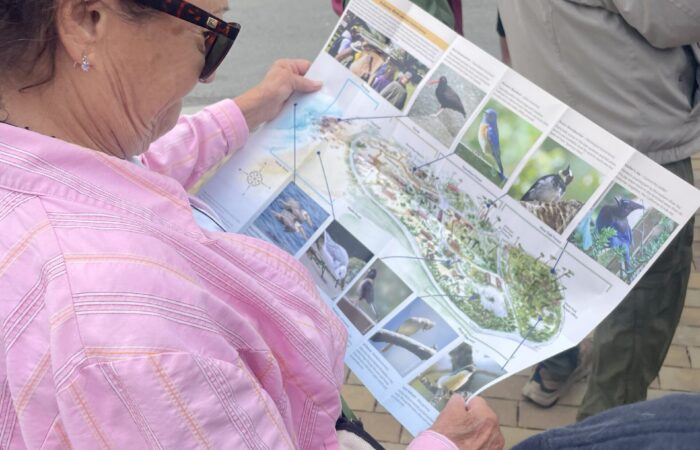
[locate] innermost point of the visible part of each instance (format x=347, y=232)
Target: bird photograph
x=490, y=140
x=290, y=220
x=444, y=104
x=294, y=207
x=554, y=185
x=290, y=223
x=415, y=333
x=496, y=142
x=374, y=295
x=623, y=234
x=366, y=289
x=335, y=259
x=463, y=371
x=447, y=97
x=549, y=188
x=411, y=326
x=615, y=217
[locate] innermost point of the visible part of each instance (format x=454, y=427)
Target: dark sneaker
x=544, y=391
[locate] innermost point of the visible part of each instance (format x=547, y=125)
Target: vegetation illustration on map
x=496, y=284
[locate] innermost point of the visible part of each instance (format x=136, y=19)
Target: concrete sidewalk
x=520, y=418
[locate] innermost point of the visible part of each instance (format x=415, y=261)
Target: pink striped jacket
x=125, y=325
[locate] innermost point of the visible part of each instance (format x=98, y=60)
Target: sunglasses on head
x=219, y=39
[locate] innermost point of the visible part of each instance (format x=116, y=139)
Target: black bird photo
x=447, y=97
x=444, y=103
x=549, y=188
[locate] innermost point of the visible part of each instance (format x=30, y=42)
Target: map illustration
x=496, y=284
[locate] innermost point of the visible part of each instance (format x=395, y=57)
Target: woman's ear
x=80, y=25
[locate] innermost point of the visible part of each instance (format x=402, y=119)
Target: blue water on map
x=310, y=109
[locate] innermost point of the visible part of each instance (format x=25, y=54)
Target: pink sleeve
x=430, y=440
x=198, y=143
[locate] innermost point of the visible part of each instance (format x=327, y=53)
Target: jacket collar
x=40, y=165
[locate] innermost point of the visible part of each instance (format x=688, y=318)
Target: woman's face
x=151, y=64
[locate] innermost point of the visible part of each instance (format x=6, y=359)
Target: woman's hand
x=471, y=428
x=262, y=103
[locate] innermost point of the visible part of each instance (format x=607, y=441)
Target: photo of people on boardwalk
x=387, y=68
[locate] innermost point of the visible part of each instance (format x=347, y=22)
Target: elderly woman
x=126, y=321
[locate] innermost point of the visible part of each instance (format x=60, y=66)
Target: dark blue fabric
x=670, y=423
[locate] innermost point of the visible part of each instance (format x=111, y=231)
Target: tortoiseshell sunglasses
x=219, y=39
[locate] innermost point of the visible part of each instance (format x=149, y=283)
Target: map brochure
x=463, y=223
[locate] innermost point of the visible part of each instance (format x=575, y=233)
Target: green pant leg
x=631, y=344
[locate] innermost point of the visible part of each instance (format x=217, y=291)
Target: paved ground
x=273, y=29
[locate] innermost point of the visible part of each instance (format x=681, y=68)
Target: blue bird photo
x=615, y=216
x=489, y=139
x=584, y=231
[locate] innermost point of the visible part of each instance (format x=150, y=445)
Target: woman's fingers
x=304, y=85
x=298, y=68
x=265, y=101
x=471, y=428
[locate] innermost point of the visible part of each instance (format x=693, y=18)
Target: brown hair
x=28, y=36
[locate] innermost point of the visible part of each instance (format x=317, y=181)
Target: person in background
x=671, y=422
x=344, y=41
x=632, y=67
x=396, y=92
x=364, y=64
x=385, y=77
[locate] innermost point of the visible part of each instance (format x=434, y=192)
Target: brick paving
x=520, y=418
